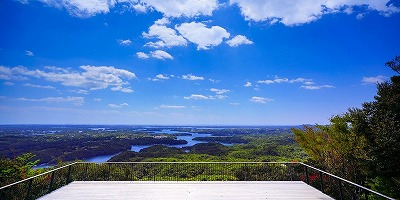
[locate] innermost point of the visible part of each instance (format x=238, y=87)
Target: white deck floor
x=228, y=190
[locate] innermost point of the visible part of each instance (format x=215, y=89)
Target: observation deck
x=186, y=180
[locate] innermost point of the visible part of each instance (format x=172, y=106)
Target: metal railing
x=334, y=186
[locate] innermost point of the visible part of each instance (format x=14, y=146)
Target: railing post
x=340, y=189
x=51, y=181
x=290, y=172
x=366, y=194
x=86, y=171
x=109, y=171
x=322, y=181
x=69, y=175
x=28, y=192
x=306, y=170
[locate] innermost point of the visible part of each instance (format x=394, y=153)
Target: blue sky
x=192, y=62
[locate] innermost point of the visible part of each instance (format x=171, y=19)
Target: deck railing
x=39, y=185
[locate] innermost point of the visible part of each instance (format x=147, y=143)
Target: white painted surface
x=149, y=190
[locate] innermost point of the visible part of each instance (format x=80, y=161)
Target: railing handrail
x=32, y=177
x=347, y=181
x=181, y=162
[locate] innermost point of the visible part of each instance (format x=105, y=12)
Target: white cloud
x=122, y=89
x=159, y=54
x=125, y=42
x=73, y=100
x=218, y=96
x=167, y=36
x=171, y=107
x=219, y=91
x=160, y=77
x=24, y=1
x=39, y=86
x=214, y=81
x=142, y=55
x=307, y=83
x=117, y=105
x=199, y=97
x=248, y=84
x=80, y=91
x=374, y=80
x=284, y=80
x=29, y=53
x=204, y=97
x=9, y=83
x=192, y=77
x=238, y=40
x=178, y=8
x=266, y=81
x=83, y=9
x=260, y=100
x=204, y=37
x=97, y=99
x=92, y=77
x=297, y=12
x=316, y=87
x=234, y=104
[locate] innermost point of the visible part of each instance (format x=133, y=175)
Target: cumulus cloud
x=204, y=37
x=117, y=105
x=178, y=8
x=191, y=77
x=142, y=55
x=73, y=100
x=125, y=42
x=238, y=40
x=171, y=107
x=97, y=99
x=167, y=37
x=92, y=77
x=160, y=77
x=260, y=100
x=299, y=12
x=374, y=80
x=122, y=89
x=248, y=84
x=219, y=91
x=158, y=54
x=29, y=53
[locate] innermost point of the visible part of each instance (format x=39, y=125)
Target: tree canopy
x=362, y=145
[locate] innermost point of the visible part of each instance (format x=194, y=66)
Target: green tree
x=336, y=147
x=12, y=170
x=367, y=138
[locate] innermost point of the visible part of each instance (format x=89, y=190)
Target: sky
x=192, y=62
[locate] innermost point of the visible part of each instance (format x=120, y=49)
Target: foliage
x=16, y=169
x=336, y=147
x=363, y=144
